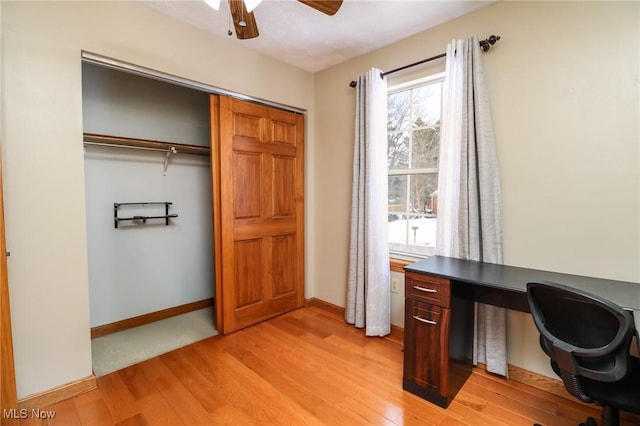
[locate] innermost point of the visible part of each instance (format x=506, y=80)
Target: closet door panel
x=283, y=265
x=247, y=178
x=284, y=132
x=249, y=126
x=284, y=196
x=249, y=285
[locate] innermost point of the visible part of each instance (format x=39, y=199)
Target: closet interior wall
x=138, y=267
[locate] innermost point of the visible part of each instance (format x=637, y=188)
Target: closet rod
x=123, y=142
x=113, y=145
x=485, y=45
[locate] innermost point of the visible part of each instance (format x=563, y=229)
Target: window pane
x=422, y=231
x=398, y=150
x=397, y=210
x=412, y=231
x=397, y=197
x=427, y=105
x=398, y=235
x=417, y=235
x=399, y=111
x=422, y=194
x=425, y=147
x=398, y=231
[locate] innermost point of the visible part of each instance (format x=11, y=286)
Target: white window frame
x=413, y=84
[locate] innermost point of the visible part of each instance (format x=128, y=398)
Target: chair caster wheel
x=590, y=422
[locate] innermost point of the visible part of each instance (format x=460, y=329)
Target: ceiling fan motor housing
x=245, y=22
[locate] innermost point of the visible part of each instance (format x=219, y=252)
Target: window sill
x=397, y=265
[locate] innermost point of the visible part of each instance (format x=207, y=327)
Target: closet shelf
x=121, y=141
x=166, y=216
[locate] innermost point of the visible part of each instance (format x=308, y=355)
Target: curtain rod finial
x=487, y=43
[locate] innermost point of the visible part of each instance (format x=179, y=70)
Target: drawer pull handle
x=425, y=320
x=427, y=290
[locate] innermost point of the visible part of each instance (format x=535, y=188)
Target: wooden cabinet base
x=457, y=376
x=438, y=338
x=425, y=393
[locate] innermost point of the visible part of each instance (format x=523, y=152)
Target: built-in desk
x=439, y=296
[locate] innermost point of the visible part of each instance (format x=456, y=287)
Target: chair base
x=610, y=417
x=590, y=422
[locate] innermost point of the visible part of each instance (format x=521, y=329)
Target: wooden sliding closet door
x=261, y=223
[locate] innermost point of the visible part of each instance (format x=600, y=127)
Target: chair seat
x=624, y=394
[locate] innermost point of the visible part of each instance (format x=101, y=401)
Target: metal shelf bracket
x=143, y=218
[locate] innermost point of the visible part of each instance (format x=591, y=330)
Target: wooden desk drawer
x=428, y=289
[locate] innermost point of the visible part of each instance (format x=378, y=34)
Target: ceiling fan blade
x=241, y=15
x=329, y=7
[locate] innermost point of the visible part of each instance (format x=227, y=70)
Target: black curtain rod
x=484, y=44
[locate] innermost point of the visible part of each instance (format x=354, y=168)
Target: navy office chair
x=588, y=340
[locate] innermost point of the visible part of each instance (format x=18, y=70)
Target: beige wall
x=564, y=89
x=43, y=154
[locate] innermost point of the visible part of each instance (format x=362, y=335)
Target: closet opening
x=149, y=215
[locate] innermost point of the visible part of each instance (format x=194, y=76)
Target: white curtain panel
x=469, y=195
x=368, y=293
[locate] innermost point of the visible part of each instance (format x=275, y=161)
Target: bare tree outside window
x=413, y=145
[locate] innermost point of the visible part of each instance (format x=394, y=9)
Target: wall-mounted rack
x=142, y=218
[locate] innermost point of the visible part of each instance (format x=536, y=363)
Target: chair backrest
x=583, y=334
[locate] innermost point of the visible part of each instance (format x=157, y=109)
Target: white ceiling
x=301, y=36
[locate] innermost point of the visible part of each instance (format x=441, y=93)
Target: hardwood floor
x=305, y=367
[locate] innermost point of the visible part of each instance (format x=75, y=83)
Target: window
x=413, y=144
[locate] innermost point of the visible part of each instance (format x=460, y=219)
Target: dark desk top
x=514, y=279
